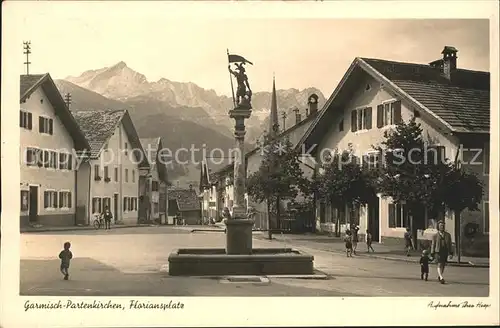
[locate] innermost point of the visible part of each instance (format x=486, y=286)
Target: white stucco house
x=50, y=142
x=110, y=175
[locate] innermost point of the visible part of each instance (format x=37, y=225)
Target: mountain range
x=183, y=114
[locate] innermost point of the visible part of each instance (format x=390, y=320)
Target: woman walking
x=441, y=249
x=355, y=238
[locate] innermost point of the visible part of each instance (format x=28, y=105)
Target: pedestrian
x=424, y=265
x=355, y=238
x=65, y=257
x=369, y=239
x=408, y=242
x=441, y=249
x=108, y=216
x=348, y=243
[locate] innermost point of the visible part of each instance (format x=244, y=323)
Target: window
x=361, y=119
x=154, y=186
x=24, y=200
x=96, y=205
x=97, y=177
x=398, y=216
x=126, y=175
x=65, y=199
x=388, y=113
x=106, y=173
x=486, y=216
x=65, y=161
x=486, y=159
x=25, y=120
x=50, y=199
x=53, y=160
x=133, y=175
x=116, y=174
x=31, y=156
x=45, y=125
x=371, y=160
x=126, y=148
x=341, y=125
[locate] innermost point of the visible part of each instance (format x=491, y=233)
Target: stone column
x=239, y=227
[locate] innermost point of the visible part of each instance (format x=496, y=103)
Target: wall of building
x=47, y=179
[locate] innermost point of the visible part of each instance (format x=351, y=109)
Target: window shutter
x=45, y=199
x=397, y=112
x=61, y=195
x=354, y=121
x=392, y=217
x=30, y=121
x=70, y=200
x=124, y=203
x=51, y=126
x=61, y=161
x=54, y=199
x=70, y=161
x=40, y=124
x=368, y=118
x=380, y=116
x=21, y=119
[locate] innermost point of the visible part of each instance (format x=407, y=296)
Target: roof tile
x=187, y=199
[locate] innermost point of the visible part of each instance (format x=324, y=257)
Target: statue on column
x=243, y=97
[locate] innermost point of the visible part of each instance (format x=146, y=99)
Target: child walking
x=65, y=257
x=408, y=242
x=369, y=240
x=348, y=243
x=424, y=265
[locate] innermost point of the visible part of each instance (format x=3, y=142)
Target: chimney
x=449, y=61
x=312, y=103
x=298, y=116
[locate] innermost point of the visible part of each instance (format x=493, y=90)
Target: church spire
x=273, y=122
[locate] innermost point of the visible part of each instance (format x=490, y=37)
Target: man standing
x=107, y=218
x=441, y=249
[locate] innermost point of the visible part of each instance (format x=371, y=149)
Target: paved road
x=132, y=262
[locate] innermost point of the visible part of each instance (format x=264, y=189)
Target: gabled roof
x=187, y=199
x=99, y=126
x=30, y=83
x=460, y=104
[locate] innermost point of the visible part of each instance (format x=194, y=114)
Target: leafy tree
x=279, y=176
x=344, y=181
x=413, y=173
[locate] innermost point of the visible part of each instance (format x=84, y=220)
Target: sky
x=300, y=52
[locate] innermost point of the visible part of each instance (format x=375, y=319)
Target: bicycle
x=98, y=222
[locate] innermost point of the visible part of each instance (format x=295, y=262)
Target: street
x=134, y=262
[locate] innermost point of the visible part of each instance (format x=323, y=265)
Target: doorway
x=33, y=209
x=115, y=206
x=374, y=218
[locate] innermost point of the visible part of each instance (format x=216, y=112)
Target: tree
x=279, y=176
x=342, y=182
x=415, y=173
x=409, y=175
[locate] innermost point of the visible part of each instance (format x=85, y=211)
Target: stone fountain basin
x=262, y=261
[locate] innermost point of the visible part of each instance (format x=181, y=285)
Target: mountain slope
x=122, y=83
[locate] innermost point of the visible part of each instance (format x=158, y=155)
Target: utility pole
x=67, y=99
x=283, y=116
x=27, y=52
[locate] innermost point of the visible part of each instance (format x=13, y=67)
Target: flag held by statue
x=238, y=59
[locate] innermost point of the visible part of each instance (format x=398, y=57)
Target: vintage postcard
x=245, y=163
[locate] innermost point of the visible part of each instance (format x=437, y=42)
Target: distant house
x=153, y=183
x=50, y=142
x=208, y=189
x=110, y=176
x=184, y=204
x=451, y=104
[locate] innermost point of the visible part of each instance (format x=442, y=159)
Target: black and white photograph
x=221, y=159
